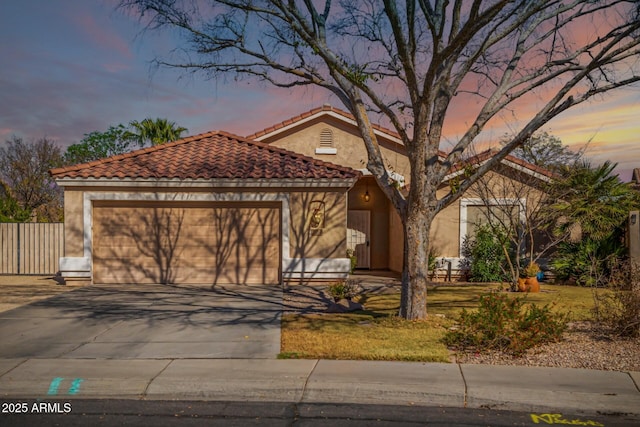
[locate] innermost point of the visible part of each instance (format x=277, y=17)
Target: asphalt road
x=198, y=413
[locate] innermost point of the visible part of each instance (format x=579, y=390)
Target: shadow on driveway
x=147, y=321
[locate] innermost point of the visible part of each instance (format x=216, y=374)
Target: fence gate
x=30, y=248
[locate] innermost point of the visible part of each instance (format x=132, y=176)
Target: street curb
x=325, y=381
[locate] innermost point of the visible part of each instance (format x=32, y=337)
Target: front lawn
x=376, y=334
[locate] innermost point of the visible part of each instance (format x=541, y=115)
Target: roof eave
x=331, y=113
x=174, y=183
x=507, y=162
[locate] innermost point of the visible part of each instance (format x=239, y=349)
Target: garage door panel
x=228, y=276
x=192, y=244
x=191, y=254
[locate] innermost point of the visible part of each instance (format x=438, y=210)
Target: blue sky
x=70, y=67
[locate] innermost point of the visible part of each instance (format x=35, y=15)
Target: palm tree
x=156, y=131
x=595, y=198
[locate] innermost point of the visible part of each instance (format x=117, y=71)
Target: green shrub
x=531, y=270
x=589, y=262
x=508, y=324
x=354, y=260
x=484, y=257
x=345, y=289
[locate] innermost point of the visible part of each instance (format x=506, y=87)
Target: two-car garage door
x=186, y=243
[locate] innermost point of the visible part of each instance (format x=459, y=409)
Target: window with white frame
x=496, y=212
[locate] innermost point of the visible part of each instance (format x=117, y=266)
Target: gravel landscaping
x=584, y=346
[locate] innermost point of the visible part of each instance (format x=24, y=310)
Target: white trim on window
x=521, y=203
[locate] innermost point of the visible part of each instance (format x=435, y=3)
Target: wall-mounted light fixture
x=634, y=218
x=366, y=196
x=317, y=215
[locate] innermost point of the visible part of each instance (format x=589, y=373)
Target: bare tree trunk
x=415, y=270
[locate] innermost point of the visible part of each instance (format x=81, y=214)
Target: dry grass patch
x=363, y=336
x=377, y=334
x=449, y=300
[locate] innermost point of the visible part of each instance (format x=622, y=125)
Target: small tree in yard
x=10, y=209
x=411, y=63
x=519, y=207
x=24, y=169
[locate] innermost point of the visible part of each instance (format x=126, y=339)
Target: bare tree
x=547, y=151
x=520, y=207
x=410, y=63
x=24, y=167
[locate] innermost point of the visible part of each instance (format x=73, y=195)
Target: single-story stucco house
x=209, y=209
x=374, y=228
x=280, y=205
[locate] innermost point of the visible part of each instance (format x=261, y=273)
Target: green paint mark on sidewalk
x=75, y=386
x=53, y=387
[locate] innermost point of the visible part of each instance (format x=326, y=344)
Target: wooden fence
x=30, y=248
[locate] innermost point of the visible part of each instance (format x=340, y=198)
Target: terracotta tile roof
x=208, y=156
x=324, y=108
x=485, y=155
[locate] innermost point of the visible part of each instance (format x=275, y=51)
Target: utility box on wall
x=634, y=236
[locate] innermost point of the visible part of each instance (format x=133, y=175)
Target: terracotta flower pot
x=532, y=284
x=528, y=284
x=522, y=287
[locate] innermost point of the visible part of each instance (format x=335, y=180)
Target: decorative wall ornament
x=317, y=209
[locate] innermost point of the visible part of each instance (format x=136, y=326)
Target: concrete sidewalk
x=325, y=381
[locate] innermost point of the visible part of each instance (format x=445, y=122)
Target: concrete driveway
x=146, y=322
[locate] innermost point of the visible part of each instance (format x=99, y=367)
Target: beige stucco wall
x=509, y=184
x=386, y=245
x=327, y=242
x=73, y=223
x=304, y=139
x=445, y=229
x=445, y=234
x=396, y=241
x=386, y=227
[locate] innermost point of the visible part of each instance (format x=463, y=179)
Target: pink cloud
x=105, y=39
x=116, y=67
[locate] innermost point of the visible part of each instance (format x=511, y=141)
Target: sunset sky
x=70, y=67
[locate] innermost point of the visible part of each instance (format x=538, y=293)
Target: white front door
x=358, y=234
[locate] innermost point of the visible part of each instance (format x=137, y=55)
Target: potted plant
x=354, y=261
x=529, y=281
x=345, y=289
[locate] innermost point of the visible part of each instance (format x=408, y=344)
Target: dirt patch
x=16, y=291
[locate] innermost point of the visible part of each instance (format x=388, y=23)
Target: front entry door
x=358, y=234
